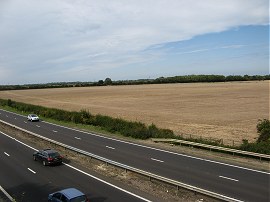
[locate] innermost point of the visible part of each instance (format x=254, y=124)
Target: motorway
x=27, y=180
x=239, y=183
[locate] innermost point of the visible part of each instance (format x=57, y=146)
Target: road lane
x=251, y=185
x=27, y=180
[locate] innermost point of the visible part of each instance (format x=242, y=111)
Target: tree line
x=160, y=80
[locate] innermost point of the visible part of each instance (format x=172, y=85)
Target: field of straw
x=228, y=111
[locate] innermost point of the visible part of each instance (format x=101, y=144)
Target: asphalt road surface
x=232, y=181
x=27, y=180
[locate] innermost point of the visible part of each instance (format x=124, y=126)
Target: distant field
x=218, y=110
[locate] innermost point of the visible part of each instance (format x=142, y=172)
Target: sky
x=43, y=41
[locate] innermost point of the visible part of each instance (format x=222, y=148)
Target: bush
x=263, y=143
x=115, y=125
x=263, y=128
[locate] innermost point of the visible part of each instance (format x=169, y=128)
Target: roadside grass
x=84, y=127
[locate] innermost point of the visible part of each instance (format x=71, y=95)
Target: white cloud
x=67, y=33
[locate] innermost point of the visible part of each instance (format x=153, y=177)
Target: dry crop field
x=209, y=110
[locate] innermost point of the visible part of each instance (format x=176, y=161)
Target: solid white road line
x=157, y=160
x=110, y=147
x=228, y=178
x=130, y=193
x=153, y=148
x=6, y=153
x=31, y=170
x=107, y=183
x=77, y=138
x=18, y=141
x=7, y=194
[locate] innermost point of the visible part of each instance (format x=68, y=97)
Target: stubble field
x=228, y=111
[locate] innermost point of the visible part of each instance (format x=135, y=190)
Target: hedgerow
x=136, y=130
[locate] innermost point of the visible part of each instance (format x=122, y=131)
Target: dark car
x=68, y=195
x=48, y=157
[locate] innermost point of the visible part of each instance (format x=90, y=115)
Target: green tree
x=100, y=82
x=108, y=81
x=263, y=128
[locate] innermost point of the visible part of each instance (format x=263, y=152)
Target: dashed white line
x=110, y=147
x=78, y=138
x=15, y=118
x=6, y=153
x=103, y=181
x=6, y=115
x=31, y=170
x=228, y=178
x=38, y=126
x=25, y=122
x=157, y=160
x=54, y=131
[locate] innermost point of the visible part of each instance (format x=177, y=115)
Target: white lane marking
x=31, y=170
x=6, y=153
x=38, y=126
x=6, y=115
x=157, y=160
x=77, y=138
x=15, y=118
x=7, y=194
x=54, y=131
x=201, y=159
x=19, y=141
x=228, y=178
x=110, y=147
x=25, y=122
x=107, y=183
x=103, y=181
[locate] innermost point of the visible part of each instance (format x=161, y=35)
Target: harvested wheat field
x=228, y=111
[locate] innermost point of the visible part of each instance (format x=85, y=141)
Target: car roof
x=71, y=193
x=49, y=150
x=32, y=115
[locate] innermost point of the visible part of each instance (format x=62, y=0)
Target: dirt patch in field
x=228, y=111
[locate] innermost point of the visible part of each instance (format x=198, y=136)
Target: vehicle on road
x=48, y=157
x=68, y=195
x=32, y=117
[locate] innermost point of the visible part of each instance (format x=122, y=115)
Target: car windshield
x=53, y=155
x=33, y=115
x=79, y=199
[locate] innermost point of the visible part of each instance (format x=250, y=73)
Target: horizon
x=140, y=79
x=50, y=42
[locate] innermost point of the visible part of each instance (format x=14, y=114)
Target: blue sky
x=86, y=40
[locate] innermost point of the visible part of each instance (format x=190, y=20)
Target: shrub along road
x=232, y=181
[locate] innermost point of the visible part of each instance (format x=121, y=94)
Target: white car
x=32, y=117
